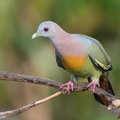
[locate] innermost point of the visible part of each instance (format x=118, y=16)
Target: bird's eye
x=46, y=29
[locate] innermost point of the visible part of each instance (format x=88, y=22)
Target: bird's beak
x=37, y=34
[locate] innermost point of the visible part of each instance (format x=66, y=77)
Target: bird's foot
x=69, y=86
x=94, y=83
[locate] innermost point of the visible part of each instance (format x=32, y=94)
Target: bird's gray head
x=46, y=29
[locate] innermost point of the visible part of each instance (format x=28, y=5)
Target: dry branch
x=27, y=107
x=114, y=102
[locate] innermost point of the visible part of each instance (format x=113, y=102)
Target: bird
x=82, y=56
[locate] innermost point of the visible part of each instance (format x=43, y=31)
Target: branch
x=113, y=100
x=27, y=107
x=29, y=79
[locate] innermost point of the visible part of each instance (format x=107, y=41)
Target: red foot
x=94, y=83
x=69, y=86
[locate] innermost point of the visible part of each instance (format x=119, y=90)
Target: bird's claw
x=69, y=86
x=94, y=83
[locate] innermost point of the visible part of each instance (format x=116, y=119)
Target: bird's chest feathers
x=72, y=54
x=73, y=62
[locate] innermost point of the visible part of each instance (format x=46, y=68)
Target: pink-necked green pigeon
x=82, y=56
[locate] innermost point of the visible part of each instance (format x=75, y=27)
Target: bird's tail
x=105, y=85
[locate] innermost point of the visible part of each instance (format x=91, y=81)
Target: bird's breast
x=73, y=62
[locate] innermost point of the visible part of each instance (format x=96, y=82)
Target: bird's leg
x=94, y=83
x=69, y=86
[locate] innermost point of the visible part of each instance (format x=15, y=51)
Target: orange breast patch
x=73, y=62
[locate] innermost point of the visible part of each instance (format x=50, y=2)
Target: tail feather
x=105, y=85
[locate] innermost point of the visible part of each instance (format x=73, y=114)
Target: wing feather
x=59, y=63
x=96, y=52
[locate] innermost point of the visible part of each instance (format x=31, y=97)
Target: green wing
x=96, y=52
x=99, y=56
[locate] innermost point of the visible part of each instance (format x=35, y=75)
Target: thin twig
x=27, y=107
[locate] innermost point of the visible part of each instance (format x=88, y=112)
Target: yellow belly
x=73, y=62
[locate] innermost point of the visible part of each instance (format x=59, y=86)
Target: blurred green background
x=19, y=19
